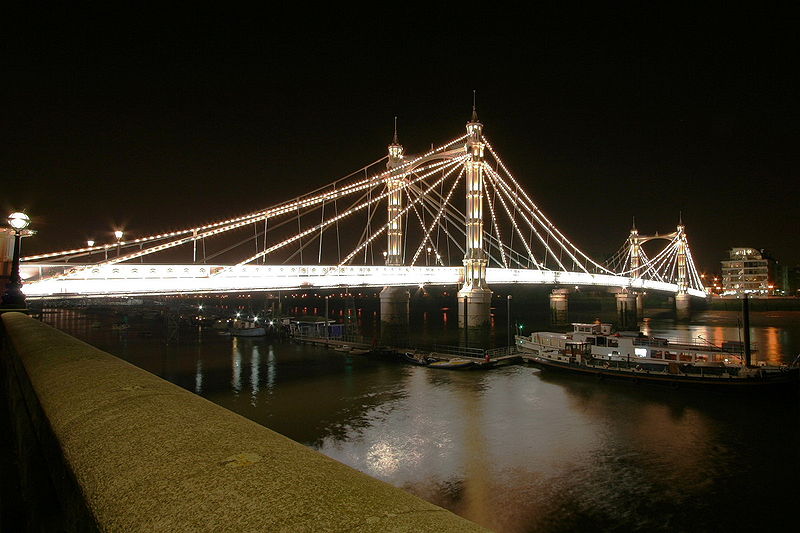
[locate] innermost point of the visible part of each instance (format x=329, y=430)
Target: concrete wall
x=124, y=450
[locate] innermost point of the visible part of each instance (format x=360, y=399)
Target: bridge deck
x=74, y=280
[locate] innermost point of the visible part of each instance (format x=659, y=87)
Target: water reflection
x=271, y=368
x=198, y=377
x=255, y=365
x=236, y=365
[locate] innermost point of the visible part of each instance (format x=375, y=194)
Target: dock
x=481, y=357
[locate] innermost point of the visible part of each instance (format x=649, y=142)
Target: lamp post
x=327, y=333
x=90, y=243
x=118, y=235
x=509, y=320
x=13, y=296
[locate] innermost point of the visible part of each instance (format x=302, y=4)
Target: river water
x=513, y=448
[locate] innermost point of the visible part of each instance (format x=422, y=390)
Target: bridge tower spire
x=625, y=309
x=394, y=300
x=635, y=250
x=682, y=299
x=475, y=297
x=394, y=244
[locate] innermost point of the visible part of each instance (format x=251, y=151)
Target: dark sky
x=161, y=124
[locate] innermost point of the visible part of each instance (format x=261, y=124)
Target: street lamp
x=13, y=296
x=508, y=329
x=118, y=235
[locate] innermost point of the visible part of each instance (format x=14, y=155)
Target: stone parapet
x=127, y=451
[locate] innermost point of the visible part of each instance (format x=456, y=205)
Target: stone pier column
x=626, y=309
x=394, y=314
x=559, y=306
x=640, y=305
x=683, y=310
x=474, y=308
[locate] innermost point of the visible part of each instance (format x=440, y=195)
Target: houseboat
x=595, y=349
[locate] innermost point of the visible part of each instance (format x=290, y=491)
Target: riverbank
x=757, y=304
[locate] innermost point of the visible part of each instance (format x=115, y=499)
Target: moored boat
x=594, y=349
x=246, y=328
x=451, y=364
x=416, y=357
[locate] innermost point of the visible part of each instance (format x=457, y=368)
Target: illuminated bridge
x=453, y=215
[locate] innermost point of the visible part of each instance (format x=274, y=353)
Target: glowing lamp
x=18, y=221
x=13, y=296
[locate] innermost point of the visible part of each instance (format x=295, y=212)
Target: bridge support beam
x=683, y=307
x=559, y=306
x=626, y=309
x=640, y=305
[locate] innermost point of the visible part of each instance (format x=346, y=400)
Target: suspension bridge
x=452, y=215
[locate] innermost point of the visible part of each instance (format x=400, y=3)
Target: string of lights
x=494, y=224
x=536, y=212
x=437, y=218
x=451, y=165
x=492, y=178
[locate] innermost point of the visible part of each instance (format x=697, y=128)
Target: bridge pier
x=474, y=307
x=559, y=306
x=683, y=307
x=394, y=312
x=626, y=308
x=640, y=305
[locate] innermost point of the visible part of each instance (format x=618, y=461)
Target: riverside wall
x=103, y=445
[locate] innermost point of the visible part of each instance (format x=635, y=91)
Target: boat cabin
x=316, y=328
x=595, y=328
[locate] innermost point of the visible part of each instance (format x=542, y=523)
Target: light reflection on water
x=514, y=449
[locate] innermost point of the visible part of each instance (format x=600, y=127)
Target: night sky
x=163, y=124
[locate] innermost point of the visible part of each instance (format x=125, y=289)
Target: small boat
x=416, y=358
x=246, y=328
x=452, y=364
x=343, y=349
x=594, y=349
x=220, y=325
x=359, y=351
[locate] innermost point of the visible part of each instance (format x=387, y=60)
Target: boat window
x=670, y=356
x=601, y=341
x=640, y=352
x=590, y=340
x=656, y=354
x=701, y=357
x=613, y=343
x=686, y=357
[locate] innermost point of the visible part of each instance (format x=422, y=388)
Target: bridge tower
x=635, y=242
x=682, y=298
x=475, y=297
x=395, y=300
